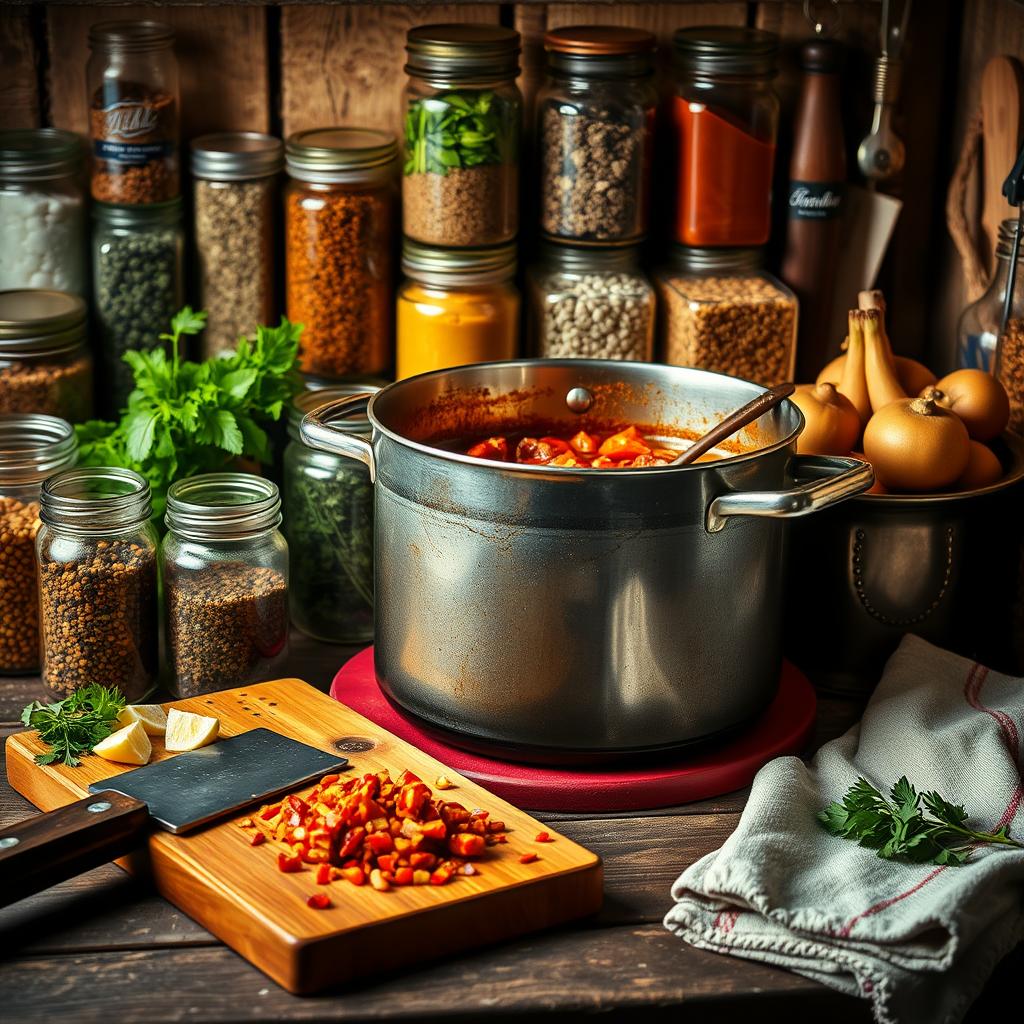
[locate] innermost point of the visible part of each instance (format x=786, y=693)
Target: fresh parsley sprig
x=74, y=725
x=455, y=130
x=897, y=828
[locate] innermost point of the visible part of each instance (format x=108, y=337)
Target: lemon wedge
x=152, y=716
x=186, y=731
x=129, y=745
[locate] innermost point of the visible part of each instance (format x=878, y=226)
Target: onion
x=983, y=468
x=977, y=398
x=832, y=425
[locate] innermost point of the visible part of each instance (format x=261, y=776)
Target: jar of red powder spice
x=339, y=226
x=726, y=117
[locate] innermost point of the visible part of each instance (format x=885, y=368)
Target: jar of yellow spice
x=456, y=306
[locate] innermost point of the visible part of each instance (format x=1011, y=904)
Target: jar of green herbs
x=328, y=521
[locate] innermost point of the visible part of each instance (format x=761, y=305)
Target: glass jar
x=328, y=502
x=719, y=310
x=225, y=570
x=595, y=130
x=138, y=284
x=42, y=211
x=726, y=118
x=98, y=581
x=235, y=212
x=339, y=223
x=134, y=104
x=591, y=302
x=32, y=448
x=978, y=328
x=45, y=365
x=456, y=306
x=463, y=119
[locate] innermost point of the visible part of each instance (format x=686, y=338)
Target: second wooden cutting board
x=236, y=891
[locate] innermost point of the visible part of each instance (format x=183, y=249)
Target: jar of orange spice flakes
x=339, y=223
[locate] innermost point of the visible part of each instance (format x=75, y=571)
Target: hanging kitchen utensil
x=734, y=421
x=1013, y=189
x=881, y=153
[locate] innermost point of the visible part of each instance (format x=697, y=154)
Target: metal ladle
x=734, y=421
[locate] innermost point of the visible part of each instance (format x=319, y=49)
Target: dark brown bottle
x=817, y=183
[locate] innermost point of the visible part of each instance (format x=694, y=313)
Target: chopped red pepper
x=319, y=901
x=258, y=840
x=528, y=858
x=542, y=837
x=323, y=874
x=288, y=864
x=492, y=448
x=355, y=875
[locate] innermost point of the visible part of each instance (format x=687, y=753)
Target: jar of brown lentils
x=720, y=310
x=340, y=233
x=32, y=447
x=96, y=552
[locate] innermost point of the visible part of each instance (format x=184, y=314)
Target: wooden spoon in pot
x=734, y=421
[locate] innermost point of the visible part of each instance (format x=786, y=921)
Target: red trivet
x=782, y=729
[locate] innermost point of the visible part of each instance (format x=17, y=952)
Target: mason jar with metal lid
x=339, y=223
x=42, y=211
x=138, y=284
x=96, y=552
x=591, y=302
x=32, y=447
x=720, y=310
x=328, y=502
x=726, y=118
x=225, y=570
x=595, y=130
x=463, y=119
x=132, y=78
x=456, y=306
x=45, y=365
x=236, y=180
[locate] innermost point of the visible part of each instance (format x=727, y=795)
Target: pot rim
x=589, y=473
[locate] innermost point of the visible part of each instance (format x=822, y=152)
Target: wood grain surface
x=238, y=893
x=19, y=94
x=1002, y=115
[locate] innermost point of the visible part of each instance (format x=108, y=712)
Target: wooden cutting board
x=236, y=891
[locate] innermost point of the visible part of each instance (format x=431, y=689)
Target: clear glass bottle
x=45, y=364
x=463, y=121
x=236, y=205
x=32, y=447
x=339, y=226
x=720, y=310
x=456, y=306
x=224, y=565
x=591, y=302
x=328, y=504
x=42, y=211
x=978, y=328
x=595, y=132
x=726, y=118
x=138, y=284
x=96, y=552
x=134, y=105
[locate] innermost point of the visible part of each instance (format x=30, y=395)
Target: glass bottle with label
x=133, y=112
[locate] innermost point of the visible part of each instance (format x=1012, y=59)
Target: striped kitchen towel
x=918, y=940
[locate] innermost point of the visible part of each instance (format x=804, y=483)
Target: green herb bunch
x=455, y=130
x=75, y=725
x=897, y=828
x=185, y=418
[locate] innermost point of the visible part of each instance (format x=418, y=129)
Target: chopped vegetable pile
x=373, y=829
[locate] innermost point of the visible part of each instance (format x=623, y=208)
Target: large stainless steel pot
x=565, y=612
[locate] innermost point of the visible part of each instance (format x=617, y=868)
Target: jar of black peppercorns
x=96, y=552
x=137, y=254
x=225, y=572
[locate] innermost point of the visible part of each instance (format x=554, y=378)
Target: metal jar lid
x=469, y=52
x=131, y=36
x=236, y=156
x=34, y=446
x=435, y=264
x=600, y=50
x=312, y=398
x=38, y=154
x=34, y=321
x=725, y=50
x=339, y=154
x=124, y=215
x=558, y=255
x=707, y=260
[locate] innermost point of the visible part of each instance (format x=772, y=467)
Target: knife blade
x=178, y=794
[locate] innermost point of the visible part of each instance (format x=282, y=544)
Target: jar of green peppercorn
x=138, y=284
x=328, y=521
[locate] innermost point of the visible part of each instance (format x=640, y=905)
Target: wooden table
x=105, y=948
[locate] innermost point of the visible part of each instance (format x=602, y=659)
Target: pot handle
x=832, y=479
x=316, y=431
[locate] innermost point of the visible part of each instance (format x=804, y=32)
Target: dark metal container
x=560, y=613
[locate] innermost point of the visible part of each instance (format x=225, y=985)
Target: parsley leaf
x=74, y=725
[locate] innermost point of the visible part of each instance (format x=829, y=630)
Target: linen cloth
x=918, y=940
